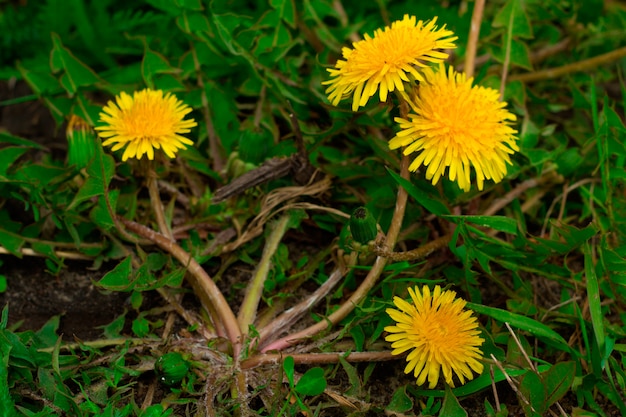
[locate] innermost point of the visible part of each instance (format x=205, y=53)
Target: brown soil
x=34, y=296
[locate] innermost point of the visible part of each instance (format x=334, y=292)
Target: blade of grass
x=524, y=323
x=593, y=296
x=250, y=303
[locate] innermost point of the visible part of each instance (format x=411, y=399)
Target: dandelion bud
x=363, y=226
x=81, y=142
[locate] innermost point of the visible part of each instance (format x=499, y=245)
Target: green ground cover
x=320, y=193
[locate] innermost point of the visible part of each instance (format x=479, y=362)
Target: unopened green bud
x=363, y=226
x=254, y=144
x=81, y=142
x=171, y=368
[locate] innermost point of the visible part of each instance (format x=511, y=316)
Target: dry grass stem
x=472, y=40
x=579, y=66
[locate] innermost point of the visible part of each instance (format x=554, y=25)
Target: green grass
x=539, y=256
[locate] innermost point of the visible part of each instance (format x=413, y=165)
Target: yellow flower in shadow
x=145, y=121
x=457, y=126
x=440, y=334
x=394, y=55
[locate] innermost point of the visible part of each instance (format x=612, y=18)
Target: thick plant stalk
x=316, y=358
x=472, y=42
x=157, y=204
x=289, y=317
x=250, y=304
x=417, y=253
x=584, y=65
x=368, y=282
x=203, y=285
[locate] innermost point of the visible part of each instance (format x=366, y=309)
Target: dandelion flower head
x=457, y=126
x=145, y=121
x=394, y=55
x=440, y=334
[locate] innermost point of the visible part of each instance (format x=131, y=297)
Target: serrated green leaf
x=358, y=335
x=41, y=174
x=39, y=81
x=11, y=242
x=286, y=10
x=225, y=25
x=118, y=279
x=353, y=377
x=20, y=354
x=570, y=237
x=55, y=356
x=156, y=261
x=569, y=161
x=167, y=82
x=171, y=7
x=136, y=299
x=173, y=279
x=76, y=74
x=190, y=22
x=513, y=15
x=312, y=382
x=47, y=336
x=141, y=327
x=558, y=380
x=500, y=223
x=8, y=156
x=154, y=63
x=113, y=330
x=100, y=214
x=520, y=55
x=16, y=140
x=400, y=401
x=190, y=4
x=533, y=389
x=100, y=173
x=6, y=402
x=451, y=406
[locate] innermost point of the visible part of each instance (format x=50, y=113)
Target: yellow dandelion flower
x=392, y=57
x=456, y=125
x=145, y=121
x=441, y=334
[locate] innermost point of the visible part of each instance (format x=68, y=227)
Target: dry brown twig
x=583, y=65
x=269, y=208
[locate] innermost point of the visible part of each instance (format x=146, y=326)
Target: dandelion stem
x=472, y=42
x=157, y=204
x=203, y=285
x=368, y=282
x=316, y=358
x=290, y=316
x=250, y=304
x=417, y=253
